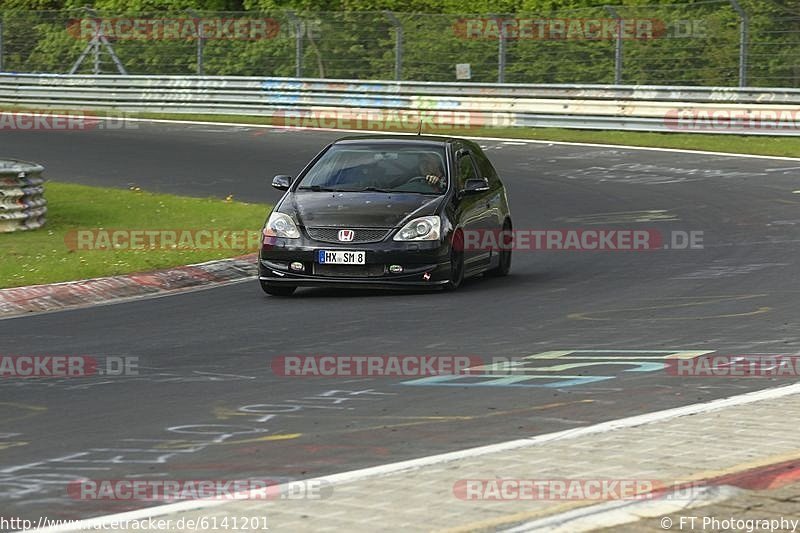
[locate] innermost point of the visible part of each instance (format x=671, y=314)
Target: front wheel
x=277, y=290
x=456, y=262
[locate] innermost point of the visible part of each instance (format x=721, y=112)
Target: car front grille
x=349, y=271
x=361, y=236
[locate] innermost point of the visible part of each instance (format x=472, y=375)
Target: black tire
x=456, y=262
x=277, y=290
x=505, y=259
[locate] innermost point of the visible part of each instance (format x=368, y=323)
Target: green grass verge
x=43, y=255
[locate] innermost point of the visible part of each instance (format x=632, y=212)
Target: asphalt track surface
x=200, y=406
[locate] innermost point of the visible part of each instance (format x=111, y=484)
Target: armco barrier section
x=638, y=108
x=22, y=203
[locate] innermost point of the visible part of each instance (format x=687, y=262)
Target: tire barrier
x=22, y=202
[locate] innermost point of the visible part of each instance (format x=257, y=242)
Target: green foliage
x=355, y=39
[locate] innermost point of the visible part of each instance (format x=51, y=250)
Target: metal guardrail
x=467, y=106
x=22, y=203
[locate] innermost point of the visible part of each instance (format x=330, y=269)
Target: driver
x=431, y=168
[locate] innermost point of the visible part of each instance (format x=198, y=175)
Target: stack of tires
x=22, y=203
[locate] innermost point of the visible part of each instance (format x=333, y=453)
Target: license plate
x=340, y=257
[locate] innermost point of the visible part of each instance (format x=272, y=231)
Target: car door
x=474, y=210
x=496, y=196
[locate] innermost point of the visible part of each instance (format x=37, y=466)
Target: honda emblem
x=346, y=235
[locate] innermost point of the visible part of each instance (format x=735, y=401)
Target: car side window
x=486, y=169
x=466, y=169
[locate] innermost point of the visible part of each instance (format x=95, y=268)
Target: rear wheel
x=277, y=290
x=456, y=262
x=504, y=267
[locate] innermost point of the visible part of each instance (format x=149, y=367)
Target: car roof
x=394, y=139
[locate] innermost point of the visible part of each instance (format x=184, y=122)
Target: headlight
x=421, y=229
x=281, y=225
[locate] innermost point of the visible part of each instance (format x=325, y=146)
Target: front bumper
x=425, y=264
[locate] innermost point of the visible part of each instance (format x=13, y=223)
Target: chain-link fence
x=713, y=42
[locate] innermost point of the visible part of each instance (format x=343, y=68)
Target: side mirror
x=475, y=185
x=282, y=182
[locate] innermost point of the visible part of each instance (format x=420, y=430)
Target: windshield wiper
x=365, y=189
x=374, y=189
x=317, y=188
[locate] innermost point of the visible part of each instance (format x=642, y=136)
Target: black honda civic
x=386, y=212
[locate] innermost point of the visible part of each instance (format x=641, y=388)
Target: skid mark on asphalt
x=267, y=438
x=649, y=174
x=790, y=202
x=728, y=271
x=6, y=444
x=427, y=420
x=177, y=444
x=622, y=217
x=14, y=412
x=698, y=301
x=453, y=419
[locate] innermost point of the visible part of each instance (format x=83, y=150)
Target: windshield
x=362, y=168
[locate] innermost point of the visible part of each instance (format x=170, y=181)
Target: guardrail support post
x=617, y=46
x=744, y=24
x=200, y=44
x=200, y=40
x=398, y=45
x=501, y=50
x=98, y=40
x=96, y=52
x=298, y=44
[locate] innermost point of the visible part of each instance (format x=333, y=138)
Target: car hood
x=361, y=209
